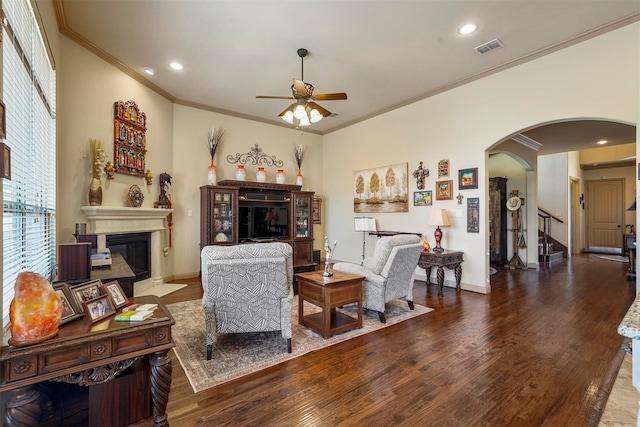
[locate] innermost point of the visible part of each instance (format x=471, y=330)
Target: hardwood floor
x=540, y=350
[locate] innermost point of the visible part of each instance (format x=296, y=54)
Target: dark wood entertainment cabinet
x=221, y=221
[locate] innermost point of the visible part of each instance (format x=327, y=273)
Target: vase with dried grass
x=216, y=136
x=98, y=157
x=298, y=154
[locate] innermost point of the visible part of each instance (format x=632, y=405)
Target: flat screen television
x=259, y=222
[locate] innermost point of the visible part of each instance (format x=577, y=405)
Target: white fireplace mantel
x=106, y=220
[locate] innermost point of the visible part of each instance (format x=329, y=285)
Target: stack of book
x=136, y=313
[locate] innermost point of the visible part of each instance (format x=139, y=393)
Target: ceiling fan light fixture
x=299, y=112
x=288, y=117
x=304, y=121
x=315, y=116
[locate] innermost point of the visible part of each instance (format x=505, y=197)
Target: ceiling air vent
x=488, y=46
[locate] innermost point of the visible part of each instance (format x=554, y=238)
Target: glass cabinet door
x=302, y=216
x=223, y=217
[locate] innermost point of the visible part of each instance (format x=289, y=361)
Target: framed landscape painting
x=422, y=198
x=381, y=189
x=444, y=190
x=468, y=179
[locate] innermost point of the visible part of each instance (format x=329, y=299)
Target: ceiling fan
x=305, y=111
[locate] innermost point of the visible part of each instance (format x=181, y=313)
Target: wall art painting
x=467, y=179
x=473, y=215
x=444, y=190
x=443, y=168
x=381, y=189
x=422, y=198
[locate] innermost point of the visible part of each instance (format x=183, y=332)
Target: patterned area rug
x=235, y=355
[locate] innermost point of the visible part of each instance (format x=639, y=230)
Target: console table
x=450, y=259
x=89, y=354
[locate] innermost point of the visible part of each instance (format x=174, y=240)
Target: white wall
x=595, y=79
x=553, y=192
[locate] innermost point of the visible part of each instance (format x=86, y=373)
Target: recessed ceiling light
x=176, y=66
x=602, y=142
x=150, y=71
x=467, y=29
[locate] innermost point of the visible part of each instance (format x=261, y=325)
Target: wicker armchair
x=247, y=288
x=389, y=272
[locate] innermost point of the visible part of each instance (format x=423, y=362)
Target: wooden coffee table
x=329, y=293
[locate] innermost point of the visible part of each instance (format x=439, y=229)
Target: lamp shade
x=301, y=114
x=439, y=218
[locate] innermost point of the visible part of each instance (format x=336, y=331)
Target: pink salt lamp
x=35, y=311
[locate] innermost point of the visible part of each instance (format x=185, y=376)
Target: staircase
x=549, y=249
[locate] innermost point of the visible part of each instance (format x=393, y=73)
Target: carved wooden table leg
x=458, y=276
x=440, y=276
x=161, y=370
x=428, y=273
x=23, y=407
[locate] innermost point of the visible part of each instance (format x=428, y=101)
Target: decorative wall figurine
x=148, y=177
x=110, y=171
x=420, y=174
x=459, y=197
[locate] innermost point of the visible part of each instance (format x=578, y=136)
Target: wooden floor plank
x=540, y=350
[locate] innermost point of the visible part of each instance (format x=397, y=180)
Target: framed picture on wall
x=468, y=179
x=317, y=210
x=473, y=215
x=444, y=190
x=422, y=198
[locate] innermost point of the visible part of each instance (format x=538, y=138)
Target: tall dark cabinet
x=237, y=212
x=498, y=220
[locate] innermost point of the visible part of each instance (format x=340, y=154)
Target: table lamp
x=439, y=218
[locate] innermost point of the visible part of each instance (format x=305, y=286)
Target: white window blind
x=29, y=198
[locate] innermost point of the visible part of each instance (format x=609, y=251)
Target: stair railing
x=547, y=247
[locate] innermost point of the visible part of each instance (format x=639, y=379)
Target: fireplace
x=135, y=248
x=111, y=221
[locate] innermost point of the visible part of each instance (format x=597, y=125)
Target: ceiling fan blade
x=301, y=88
x=274, y=97
x=329, y=96
x=321, y=110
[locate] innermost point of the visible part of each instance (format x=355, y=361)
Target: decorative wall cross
x=459, y=197
x=420, y=174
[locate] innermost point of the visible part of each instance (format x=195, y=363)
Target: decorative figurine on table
x=328, y=250
x=163, y=200
x=420, y=174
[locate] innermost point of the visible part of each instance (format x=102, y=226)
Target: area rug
x=235, y=355
x=617, y=258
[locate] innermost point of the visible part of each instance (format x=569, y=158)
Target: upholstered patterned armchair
x=247, y=288
x=388, y=273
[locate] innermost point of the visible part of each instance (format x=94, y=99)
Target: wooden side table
x=450, y=259
x=329, y=293
x=89, y=354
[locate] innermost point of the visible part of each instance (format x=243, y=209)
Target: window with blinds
x=29, y=198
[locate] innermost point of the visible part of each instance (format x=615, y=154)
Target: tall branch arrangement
x=215, y=139
x=298, y=154
x=98, y=157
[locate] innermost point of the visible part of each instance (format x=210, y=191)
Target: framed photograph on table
x=116, y=294
x=86, y=291
x=467, y=179
x=70, y=310
x=444, y=190
x=99, y=308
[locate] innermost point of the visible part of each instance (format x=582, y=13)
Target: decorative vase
x=95, y=192
x=280, y=176
x=299, y=178
x=212, y=175
x=261, y=175
x=241, y=173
